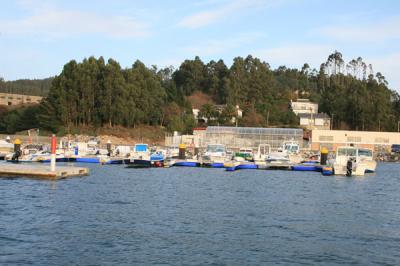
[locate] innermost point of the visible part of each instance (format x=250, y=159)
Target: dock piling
x=53, y=153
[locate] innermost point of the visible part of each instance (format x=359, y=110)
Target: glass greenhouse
x=241, y=137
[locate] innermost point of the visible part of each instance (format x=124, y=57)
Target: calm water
x=192, y=216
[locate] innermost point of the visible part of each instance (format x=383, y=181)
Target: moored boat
x=352, y=160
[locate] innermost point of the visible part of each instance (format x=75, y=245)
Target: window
x=325, y=138
x=347, y=152
x=353, y=139
x=365, y=152
x=381, y=140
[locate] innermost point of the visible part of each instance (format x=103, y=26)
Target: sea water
x=198, y=216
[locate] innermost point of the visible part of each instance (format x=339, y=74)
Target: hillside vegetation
x=98, y=93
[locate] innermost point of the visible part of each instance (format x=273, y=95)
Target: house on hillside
x=310, y=119
x=304, y=106
x=315, y=121
x=218, y=108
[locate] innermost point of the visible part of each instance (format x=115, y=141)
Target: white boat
x=262, y=154
x=353, y=161
x=288, y=153
x=35, y=153
x=215, y=153
x=142, y=155
x=6, y=148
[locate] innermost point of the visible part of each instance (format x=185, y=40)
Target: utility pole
x=333, y=115
x=398, y=126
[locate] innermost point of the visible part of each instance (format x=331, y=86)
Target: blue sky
x=38, y=37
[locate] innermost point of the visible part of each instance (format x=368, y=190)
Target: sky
x=38, y=37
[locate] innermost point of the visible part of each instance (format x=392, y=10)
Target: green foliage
x=19, y=119
x=39, y=87
x=95, y=93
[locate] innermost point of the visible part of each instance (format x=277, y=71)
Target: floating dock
x=41, y=171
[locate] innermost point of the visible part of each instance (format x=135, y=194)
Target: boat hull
x=88, y=160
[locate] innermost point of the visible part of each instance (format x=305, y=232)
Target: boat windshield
x=291, y=147
x=347, y=152
x=365, y=152
x=215, y=148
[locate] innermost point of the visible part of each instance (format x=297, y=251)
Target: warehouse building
x=331, y=139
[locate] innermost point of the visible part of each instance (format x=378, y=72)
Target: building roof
x=303, y=100
x=254, y=130
x=319, y=115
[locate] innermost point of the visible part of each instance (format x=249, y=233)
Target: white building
x=315, y=121
x=331, y=139
x=304, y=106
x=219, y=109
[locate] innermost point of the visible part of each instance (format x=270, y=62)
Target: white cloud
x=295, y=55
x=52, y=22
x=222, y=11
x=386, y=29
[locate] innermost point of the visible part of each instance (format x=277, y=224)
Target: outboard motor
x=349, y=167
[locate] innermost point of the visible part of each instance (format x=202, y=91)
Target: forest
x=98, y=93
x=38, y=87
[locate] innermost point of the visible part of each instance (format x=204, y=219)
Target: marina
x=348, y=160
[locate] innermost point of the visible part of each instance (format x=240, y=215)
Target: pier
x=41, y=171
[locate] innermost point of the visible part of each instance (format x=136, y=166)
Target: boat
x=263, y=151
x=289, y=153
x=215, y=156
x=352, y=160
x=244, y=154
x=143, y=157
x=34, y=153
x=6, y=148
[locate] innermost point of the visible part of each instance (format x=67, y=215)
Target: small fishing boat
x=215, y=156
x=142, y=157
x=244, y=154
x=352, y=160
x=262, y=154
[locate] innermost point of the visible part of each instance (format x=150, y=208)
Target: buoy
x=327, y=171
